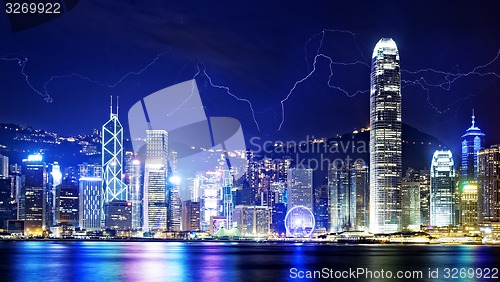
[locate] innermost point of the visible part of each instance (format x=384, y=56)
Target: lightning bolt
x=109, y=85
x=22, y=62
x=320, y=54
x=202, y=72
x=448, y=80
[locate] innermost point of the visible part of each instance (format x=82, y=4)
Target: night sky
x=259, y=49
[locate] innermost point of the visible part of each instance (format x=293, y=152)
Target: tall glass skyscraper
x=300, y=188
x=342, y=199
x=112, y=158
x=471, y=144
x=385, y=138
x=489, y=184
x=90, y=196
x=35, y=186
x=155, y=181
x=442, y=211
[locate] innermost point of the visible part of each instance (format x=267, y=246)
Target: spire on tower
x=111, y=106
x=473, y=118
x=117, y=105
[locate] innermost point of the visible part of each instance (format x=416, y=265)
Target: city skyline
x=444, y=41
x=249, y=140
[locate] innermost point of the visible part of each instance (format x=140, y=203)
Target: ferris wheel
x=299, y=222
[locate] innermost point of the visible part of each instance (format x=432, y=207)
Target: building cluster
x=142, y=194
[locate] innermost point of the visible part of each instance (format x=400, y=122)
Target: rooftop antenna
x=117, y=105
x=111, y=106
x=473, y=118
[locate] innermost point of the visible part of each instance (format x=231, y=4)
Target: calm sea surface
x=219, y=261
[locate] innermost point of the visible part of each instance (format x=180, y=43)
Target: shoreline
x=332, y=243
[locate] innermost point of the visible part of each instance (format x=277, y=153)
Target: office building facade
x=385, y=138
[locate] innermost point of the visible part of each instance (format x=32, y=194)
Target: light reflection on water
x=218, y=261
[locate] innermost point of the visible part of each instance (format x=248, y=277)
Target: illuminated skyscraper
x=90, y=196
x=342, y=199
x=442, y=189
x=300, y=188
x=360, y=179
x=424, y=177
x=112, y=158
x=4, y=166
x=155, y=181
x=300, y=198
x=385, y=138
x=135, y=193
x=35, y=188
x=67, y=204
x=410, y=205
x=489, y=183
x=227, y=194
x=471, y=144
x=210, y=191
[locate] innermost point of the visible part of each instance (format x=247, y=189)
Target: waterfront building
x=112, y=158
x=227, y=194
x=190, y=216
x=252, y=220
x=469, y=204
x=360, y=179
x=155, y=181
x=300, y=188
x=342, y=199
x=442, y=189
x=90, y=202
x=134, y=175
x=35, y=191
x=385, y=138
x=424, y=178
x=67, y=204
x=120, y=215
x=472, y=142
x=7, y=201
x=210, y=191
x=489, y=184
x=410, y=205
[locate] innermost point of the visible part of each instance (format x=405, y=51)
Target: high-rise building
x=342, y=199
x=190, y=216
x=321, y=210
x=90, y=196
x=424, y=178
x=4, y=166
x=469, y=204
x=7, y=202
x=174, y=208
x=210, y=191
x=134, y=175
x=300, y=188
x=471, y=144
x=67, y=204
x=410, y=205
x=155, y=181
x=120, y=215
x=300, y=196
x=442, y=189
x=360, y=178
x=252, y=220
x=489, y=184
x=35, y=190
x=112, y=158
x=227, y=194
x=385, y=138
